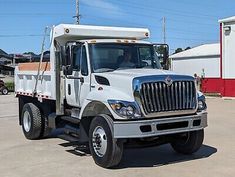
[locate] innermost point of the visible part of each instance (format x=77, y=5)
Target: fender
x=101, y=98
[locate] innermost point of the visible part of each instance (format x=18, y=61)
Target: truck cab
x=106, y=86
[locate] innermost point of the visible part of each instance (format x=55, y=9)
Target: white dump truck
x=106, y=88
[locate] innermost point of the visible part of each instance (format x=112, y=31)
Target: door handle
x=69, y=89
x=81, y=79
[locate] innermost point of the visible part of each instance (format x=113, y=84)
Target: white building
x=204, y=57
x=217, y=60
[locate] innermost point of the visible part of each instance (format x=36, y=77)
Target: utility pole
x=77, y=12
x=164, y=29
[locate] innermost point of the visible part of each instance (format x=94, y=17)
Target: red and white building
x=217, y=61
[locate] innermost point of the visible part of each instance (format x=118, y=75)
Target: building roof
x=4, y=54
x=229, y=19
x=199, y=51
x=6, y=68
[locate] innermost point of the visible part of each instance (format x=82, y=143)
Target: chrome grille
x=159, y=97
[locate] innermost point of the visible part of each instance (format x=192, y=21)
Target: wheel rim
x=26, y=121
x=4, y=91
x=99, y=141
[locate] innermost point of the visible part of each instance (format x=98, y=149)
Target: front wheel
x=105, y=150
x=189, y=142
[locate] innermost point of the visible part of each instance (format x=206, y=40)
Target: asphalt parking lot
x=55, y=157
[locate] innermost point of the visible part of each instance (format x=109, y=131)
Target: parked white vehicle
x=105, y=86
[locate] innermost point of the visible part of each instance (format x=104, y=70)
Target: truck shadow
x=160, y=156
x=76, y=148
x=146, y=157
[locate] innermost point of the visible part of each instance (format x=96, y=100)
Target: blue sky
x=188, y=23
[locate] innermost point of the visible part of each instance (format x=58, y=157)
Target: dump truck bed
x=25, y=80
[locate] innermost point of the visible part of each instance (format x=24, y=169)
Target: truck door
x=84, y=74
x=78, y=85
x=72, y=84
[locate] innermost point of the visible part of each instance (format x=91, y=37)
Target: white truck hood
x=140, y=72
x=121, y=80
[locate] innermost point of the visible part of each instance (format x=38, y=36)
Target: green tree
x=160, y=49
x=187, y=48
x=178, y=50
x=31, y=53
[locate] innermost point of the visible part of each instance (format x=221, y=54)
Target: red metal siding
x=212, y=85
x=229, y=87
x=225, y=87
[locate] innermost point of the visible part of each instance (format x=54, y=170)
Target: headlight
x=125, y=109
x=201, y=103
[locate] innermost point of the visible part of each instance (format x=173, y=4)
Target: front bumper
x=156, y=127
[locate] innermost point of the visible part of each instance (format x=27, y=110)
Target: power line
x=183, y=31
x=198, y=3
x=107, y=9
x=21, y=35
x=166, y=10
x=135, y=24
x=168, y=28
x=190, y=22
x=122, y=2
x=145, y=15
x=136, y=6
x=32, y=14
x=193, y=39
x=130, y=23
x=33, y=2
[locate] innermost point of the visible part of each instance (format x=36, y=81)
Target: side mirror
x=63, y=55
x=68, y=54
x=67, y=70
x=162, y=51
x=66, y=60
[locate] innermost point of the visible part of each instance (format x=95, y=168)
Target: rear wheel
x=105, y=150
x=31, y=121
x=5, y=91
x=189, y=142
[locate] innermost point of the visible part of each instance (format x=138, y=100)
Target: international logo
x=168, y=81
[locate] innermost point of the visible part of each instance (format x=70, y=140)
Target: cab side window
x=77, y=58
x=84, y=66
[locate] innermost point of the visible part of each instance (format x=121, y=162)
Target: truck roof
x=84, y=32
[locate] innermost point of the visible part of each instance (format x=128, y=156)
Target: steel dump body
x=25, y=80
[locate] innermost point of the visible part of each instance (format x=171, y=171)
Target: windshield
x=107, y=57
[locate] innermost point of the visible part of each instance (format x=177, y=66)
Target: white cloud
x=105, y=7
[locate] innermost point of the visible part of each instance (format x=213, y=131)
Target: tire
x=31, y=121
x=189, y=143
x=4, y=91
x=112, y=154
x=46, y=130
